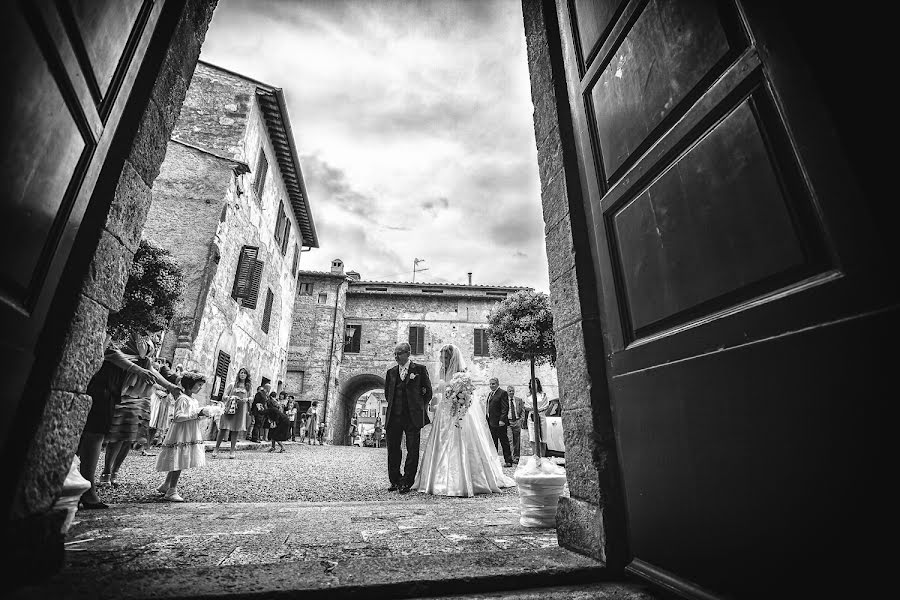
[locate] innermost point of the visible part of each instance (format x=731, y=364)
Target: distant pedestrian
x=320, y=436
x=280, y=429
x=354, y=427
x=376, y=436
x=292, y=415
x=183, y=447
x=516, y=414
x=312, y=423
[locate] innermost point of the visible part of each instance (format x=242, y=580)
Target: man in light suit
x=407, y=389
x=516, y=412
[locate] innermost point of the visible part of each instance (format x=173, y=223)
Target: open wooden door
x=78, y=76
x=741, y=274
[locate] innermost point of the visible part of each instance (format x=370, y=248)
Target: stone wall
x=591, y=520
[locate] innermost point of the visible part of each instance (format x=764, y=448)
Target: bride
x=459, y=459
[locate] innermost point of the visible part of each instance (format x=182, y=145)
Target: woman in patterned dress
x=234, y=419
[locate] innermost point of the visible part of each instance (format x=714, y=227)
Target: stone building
x=230, y=204
x=345, y=330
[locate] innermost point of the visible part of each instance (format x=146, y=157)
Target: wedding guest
x=292, y=415
x=234, y=420
x=303, y=420
x=376, y=436
x=131, y=414
x=354, y=426
x=320, y=434
x=259, y=405
x=282, y=401
x=542, y=405
x=281, y=426
x=516, y=413
x=118, y=370
x=183, y=446
x=312, y=423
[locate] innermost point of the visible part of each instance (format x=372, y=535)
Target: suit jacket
x=520, y=410
x=259, y=398
x=498, y=408
x=418, y=393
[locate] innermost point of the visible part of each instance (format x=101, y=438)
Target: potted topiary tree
x=520, y=329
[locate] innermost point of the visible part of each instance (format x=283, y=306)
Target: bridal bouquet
x=459, y=395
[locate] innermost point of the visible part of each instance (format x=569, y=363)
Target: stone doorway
x=348, y=395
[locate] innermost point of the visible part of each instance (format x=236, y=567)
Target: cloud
x=413, y=119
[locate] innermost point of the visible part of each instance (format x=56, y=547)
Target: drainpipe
x=337, y=295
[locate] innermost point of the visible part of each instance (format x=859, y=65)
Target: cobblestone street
x=313, y=518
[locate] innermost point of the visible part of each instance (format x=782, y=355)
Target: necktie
x=512, y=408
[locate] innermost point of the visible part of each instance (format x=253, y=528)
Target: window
x=267, y=312
x=352, y=337
x=296, y=259
x=417, y=339
x=221, y=376
x=247, y=277
x=481, y=343
x=323, y=298
x=282, y=229
x=262, y=166
x=305, y=288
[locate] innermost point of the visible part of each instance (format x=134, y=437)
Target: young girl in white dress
x=459, y=458
x=183, y=446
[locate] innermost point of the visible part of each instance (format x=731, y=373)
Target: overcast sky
x=413, y=121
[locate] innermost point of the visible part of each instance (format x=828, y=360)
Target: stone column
x=591, y=521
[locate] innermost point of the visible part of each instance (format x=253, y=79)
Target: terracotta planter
x=540, y=483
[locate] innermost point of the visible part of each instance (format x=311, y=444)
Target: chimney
x=470, y=278
x=337, y=267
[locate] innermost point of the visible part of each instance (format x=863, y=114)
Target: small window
x=352, y=337
x=417, y=340
x=481, y=343
x=262, y=166
x=267, y=312
x=296, y=259
x=221, y=376
x=323, y=298
x=305, y=288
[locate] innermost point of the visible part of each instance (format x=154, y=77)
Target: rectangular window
x=221, y=376
x=417, y=339
x=481, y=343
x=267, y=312
x=262, y=167
x=305, y=288
x=296, y=259
x=243, y=278
x=286, y=236
x=352, y=337
x=323, y=298
x=255, y=279
x=302, y=378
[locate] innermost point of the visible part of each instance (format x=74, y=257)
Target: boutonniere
x=412, y=375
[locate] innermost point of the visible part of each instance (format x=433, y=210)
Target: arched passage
x=350, y=391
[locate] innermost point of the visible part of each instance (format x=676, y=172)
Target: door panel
x=57, y=152
x=734, y=257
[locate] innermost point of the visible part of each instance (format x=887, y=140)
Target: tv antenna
x=416, y=262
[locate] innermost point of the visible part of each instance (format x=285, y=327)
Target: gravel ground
x=302, y=473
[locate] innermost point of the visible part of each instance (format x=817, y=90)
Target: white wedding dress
x=459, y=461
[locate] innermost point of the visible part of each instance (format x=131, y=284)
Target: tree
x=155, y=285
x=521, y=328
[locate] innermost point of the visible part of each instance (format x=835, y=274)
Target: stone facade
x=336, y=375
x=206, y=207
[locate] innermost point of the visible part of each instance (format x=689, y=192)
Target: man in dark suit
x=408, y=392
x=256, y=410
x=497, y=411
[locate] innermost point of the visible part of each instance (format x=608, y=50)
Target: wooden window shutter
x=250, y=300
x=279, y=224
x=417, y=340
x=286, y=239
x=262, y=167
x=479, y=335
x=267, y=312
x=221, y=377
x=296, y=259
x=243, y=278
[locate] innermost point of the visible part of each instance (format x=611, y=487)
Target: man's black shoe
x=394, y=487
x=404, y=489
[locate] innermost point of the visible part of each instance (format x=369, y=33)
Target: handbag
x=231, y=407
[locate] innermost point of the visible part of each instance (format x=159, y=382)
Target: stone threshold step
x=604, y=590
x=354, y=578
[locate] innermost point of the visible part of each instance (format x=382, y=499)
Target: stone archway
x=348, y=393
